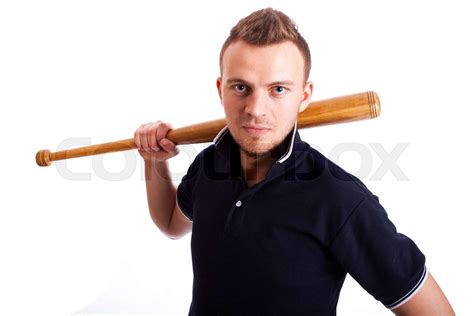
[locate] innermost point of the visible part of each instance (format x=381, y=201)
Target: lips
x=256, y=130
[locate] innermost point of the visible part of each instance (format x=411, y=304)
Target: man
x=275, y=225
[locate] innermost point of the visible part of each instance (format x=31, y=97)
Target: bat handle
x=192, y=134
x=45, y=157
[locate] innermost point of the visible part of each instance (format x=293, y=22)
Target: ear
x=219, y=87
x=307, y=94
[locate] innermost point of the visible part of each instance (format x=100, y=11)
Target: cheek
x=232, y=109
x=286, y=119
x=232, y=116
x=230, y=112
x=286, y=112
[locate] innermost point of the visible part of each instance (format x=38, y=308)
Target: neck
x=255, y=168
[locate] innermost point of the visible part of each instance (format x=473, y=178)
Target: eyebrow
x=274, y=83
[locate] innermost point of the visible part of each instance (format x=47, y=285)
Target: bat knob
x=42, y=158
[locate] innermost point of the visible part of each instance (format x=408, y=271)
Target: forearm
x=161, y=193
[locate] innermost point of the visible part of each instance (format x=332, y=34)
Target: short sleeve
x=184, y=193
x=387, y=264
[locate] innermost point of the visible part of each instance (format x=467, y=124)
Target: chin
x=252, y=146
x=256, y=150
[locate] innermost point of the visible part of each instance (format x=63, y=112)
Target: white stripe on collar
x=220, y=135
x=290, y=149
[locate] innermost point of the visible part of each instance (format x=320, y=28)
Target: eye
x=279, y=90
x=240, y=88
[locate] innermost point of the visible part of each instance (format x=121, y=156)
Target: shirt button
x=238, y=204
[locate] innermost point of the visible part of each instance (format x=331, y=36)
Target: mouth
x=256, y=130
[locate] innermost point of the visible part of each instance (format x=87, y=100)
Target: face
x=262, y=90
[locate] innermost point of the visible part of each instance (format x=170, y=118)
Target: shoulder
x=332, y=179
x=204, y=154
x=204, y=162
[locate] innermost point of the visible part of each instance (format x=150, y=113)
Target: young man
x=275, y=225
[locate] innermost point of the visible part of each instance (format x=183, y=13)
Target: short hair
x=266, y=27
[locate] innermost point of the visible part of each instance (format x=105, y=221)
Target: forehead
x=282, y=61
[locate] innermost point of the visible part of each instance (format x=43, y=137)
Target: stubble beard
x=257, y=152
x=261, y=150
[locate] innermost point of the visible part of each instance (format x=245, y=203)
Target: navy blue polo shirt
x=284, y=245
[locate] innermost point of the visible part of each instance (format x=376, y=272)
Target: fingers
x=144, y=137
x=141, y=139
x=136, y=137
x=168, y=145
x=150, y=138
x=156, y=132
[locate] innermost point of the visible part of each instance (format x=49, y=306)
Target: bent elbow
x=173, y=237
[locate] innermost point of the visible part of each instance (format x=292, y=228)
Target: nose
x=256, y=104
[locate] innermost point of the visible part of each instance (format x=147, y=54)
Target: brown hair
x=266, y=27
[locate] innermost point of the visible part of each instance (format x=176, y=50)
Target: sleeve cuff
x=410, y=293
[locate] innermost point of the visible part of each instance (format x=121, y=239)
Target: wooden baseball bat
x=342, y=109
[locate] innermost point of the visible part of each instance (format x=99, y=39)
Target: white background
x=87, y=72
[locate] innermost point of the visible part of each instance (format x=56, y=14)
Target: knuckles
x=157, y=129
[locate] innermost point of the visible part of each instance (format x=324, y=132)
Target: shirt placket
x=235, y=217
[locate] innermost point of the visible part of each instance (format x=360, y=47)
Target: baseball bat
x=342, y=109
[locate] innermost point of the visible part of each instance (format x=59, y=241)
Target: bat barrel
x=347, y=108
